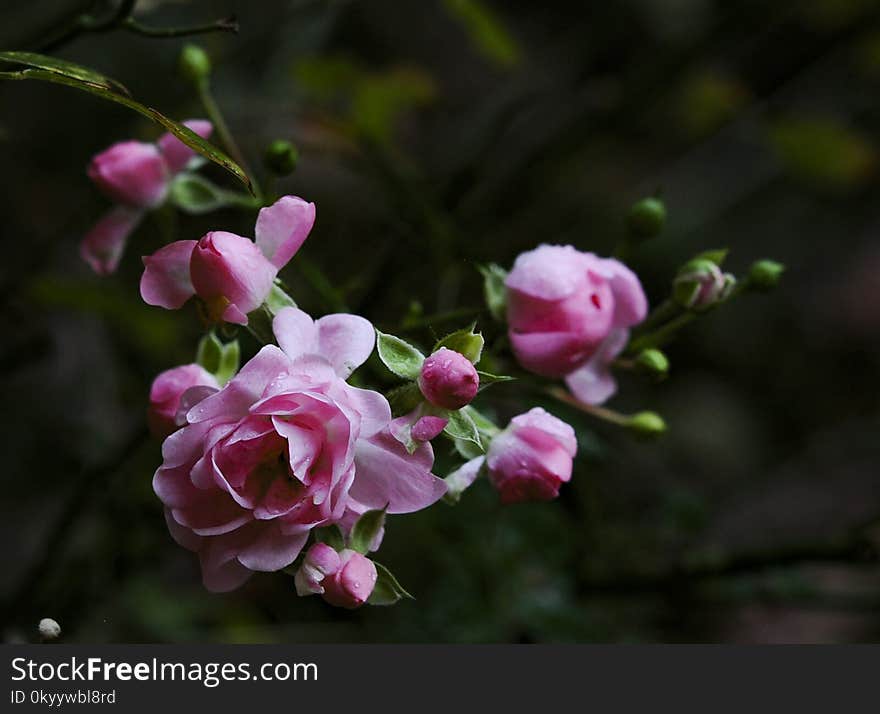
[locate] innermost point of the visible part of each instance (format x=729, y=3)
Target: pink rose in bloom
x=345, y=579
x=285, y=446
x=166, y=393
x=563, y=304
x=233, y=275
x=134, y=175
x=448, y=379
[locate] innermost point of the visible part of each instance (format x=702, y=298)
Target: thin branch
x=227, y=24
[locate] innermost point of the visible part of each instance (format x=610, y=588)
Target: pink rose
x=344, y=579
x=166, y=393
x=285, y=446
x=233, y=275
x=448, y=379
x=563, y=304
x=135, y=176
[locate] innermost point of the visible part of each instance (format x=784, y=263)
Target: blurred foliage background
x=433, y=136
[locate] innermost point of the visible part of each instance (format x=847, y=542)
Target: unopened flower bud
x=701, y=284
x=49, y=629
x=647, y=424
x=344, y=579
x=653, y=361
x=765, y=274
x=646, y=218
x=281, y=157
x=195, y=64
x=448, y=379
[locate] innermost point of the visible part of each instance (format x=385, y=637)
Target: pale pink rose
x=134, y=175
x=166, y=392
x=532, y=457
x=562, y=305
x=448, y=379
x=345, y=579
x=233, y=275
x=287, y=445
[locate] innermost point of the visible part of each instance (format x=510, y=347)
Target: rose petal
x=166, y=280
x=346, y=341
x=103, y=245
x=283, y=227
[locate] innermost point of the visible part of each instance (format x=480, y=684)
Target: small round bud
x=653, y=361
x=700, y=284
x=646, y=218
x=647, y=424
x=281, y=157
x=448, y=379
x=49, y=629
x=195, y=64
x=765, y=274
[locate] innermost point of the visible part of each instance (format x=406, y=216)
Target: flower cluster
x=284, y=465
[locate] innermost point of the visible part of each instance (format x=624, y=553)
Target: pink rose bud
x=231, y=274
x=352, y=583
x=320, y=562
x=562, y=304
x=132, y=173
x=448, y=379
x=532, y=457
x=166, y=393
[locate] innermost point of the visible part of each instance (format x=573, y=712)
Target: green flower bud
x=701, y=284
x=647, y=424
x=765, y=274
x=195, y=64
x=281, y=157
x=653, y=361
x=646, y=218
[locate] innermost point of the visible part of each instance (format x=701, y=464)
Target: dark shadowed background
x=435, y=135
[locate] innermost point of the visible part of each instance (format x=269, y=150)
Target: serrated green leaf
x=465, y=341
x=461, y=426
x=365, y=530
x=715, y=256
x=209, y=353
x=405, y=398
x=387, y=590
x=330, y=535
x=399, y=356
x=186, y=135
x=494, y=289
x=63, y=68
x=196, y=195
x=487, y=380
x=278, y=299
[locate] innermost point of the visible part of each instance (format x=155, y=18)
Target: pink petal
x=630, y=303
x=103, y=245
x=283, y=227
x=166, y=280
x=175, y=152
x=296, y=332
x=346, y=341
x=594, y=382
x=387, y=475
x=428, y=427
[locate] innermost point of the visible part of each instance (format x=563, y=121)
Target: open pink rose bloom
x=135, y=176
x=286, y=446
x=568, y=314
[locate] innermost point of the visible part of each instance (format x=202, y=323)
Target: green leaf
x=404, y=399
x=400, y=357
x=278, y=299
x=461, y=426
x=483, y=423
x=487, y=380
x=387, y=590
x=465, y=341
x=209, y=352
x=221, y=360
x=186, y=135
x=365, y=530
x=64, y=68
x=494, y=289
x=193, y=194
x=714, y=256
x=330, y=535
